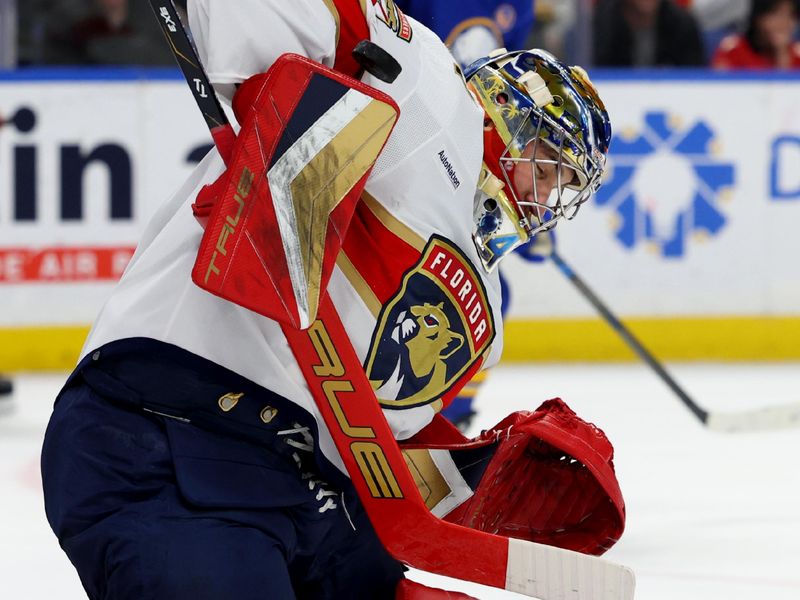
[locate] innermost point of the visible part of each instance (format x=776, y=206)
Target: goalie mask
x=546, y=136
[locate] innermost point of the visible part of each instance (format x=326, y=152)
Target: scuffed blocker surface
x=711, y=516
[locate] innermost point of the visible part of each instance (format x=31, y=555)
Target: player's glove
x=546, y=476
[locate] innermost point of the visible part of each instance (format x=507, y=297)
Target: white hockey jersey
x=422, y=314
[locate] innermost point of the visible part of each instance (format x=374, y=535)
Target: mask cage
x=564, y=201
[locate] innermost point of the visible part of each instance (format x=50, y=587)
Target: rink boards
x=692, y=239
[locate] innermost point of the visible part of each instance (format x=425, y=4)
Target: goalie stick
x=376, y=466
x=760, y=419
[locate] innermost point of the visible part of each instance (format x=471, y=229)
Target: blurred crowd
x=725, y=34
x=89, y=32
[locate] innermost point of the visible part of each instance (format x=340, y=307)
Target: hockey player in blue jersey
x=186, y=457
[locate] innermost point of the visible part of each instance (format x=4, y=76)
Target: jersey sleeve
x=236, y=40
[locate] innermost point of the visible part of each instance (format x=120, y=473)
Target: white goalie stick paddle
x=777, y=417
x=376, y=466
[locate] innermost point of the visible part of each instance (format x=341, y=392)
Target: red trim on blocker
x=63, y=264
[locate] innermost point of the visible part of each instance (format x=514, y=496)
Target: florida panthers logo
x=391, y=16
x=428, y=335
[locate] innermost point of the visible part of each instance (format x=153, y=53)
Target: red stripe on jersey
x=352, y=29
x=379, y=255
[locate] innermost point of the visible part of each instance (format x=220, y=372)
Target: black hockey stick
x=766, y=418
x=189, y=63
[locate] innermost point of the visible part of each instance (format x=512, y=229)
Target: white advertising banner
x=83, y=164
x=700, y=211
x=698, y=217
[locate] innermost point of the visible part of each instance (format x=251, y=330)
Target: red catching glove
x=547, y=476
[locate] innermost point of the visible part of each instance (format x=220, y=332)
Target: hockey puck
x=376, y=61
x=6, y=386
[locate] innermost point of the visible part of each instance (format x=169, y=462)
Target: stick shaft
x=628, y=337
x=189, y=63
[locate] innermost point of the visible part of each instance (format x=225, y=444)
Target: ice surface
x=711, y=516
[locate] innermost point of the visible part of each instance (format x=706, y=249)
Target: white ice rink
x=711, y=516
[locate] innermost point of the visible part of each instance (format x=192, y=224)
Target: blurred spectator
x=768, y=41
x=109, y=23
x=646, y=33
x=99, y=32
x=473, y=28
x=714, y=15
x=109, y=36
x=554, y=28
x=719, y=18
x=8, y=34
x=34, y=16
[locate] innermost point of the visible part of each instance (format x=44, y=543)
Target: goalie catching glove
x=546, y=476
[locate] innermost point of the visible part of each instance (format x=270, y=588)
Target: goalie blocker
x=276, y=218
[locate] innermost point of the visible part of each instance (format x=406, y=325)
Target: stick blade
x=550, y=573
x=764, y=419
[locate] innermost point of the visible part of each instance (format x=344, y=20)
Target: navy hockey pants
x=148, y=507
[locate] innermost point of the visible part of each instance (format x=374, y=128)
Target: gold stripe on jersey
x=393, y=224
x=335, y=14
x=432, y=485
x=328, y=177
x=359, y=284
